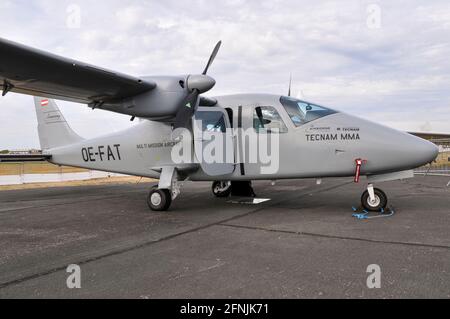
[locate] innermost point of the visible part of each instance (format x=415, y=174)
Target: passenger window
x=266, y=119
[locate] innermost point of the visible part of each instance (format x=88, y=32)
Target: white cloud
x=397, y=74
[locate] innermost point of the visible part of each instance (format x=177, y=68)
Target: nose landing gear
x=374, y=199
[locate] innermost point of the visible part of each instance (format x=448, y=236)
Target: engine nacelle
x=163, y=102
x=158, y=104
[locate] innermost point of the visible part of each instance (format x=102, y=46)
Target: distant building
x=25, y=152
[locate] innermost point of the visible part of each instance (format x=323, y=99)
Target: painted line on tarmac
x=423, y=245
x=163, y=239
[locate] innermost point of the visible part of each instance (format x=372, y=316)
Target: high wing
x=35, y=72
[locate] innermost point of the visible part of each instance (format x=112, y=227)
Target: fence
x=442, y=164
x=41, y=172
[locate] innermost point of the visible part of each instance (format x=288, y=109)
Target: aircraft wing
x=34, y=72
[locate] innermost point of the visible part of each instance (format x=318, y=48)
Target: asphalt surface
x=304, y=243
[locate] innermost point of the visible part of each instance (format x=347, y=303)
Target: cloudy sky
x=387, y=61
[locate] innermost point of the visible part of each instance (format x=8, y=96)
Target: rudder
x=53, y=129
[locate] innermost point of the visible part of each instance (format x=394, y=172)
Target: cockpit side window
x=302, y=112
x=211, y=121
x=266, y=119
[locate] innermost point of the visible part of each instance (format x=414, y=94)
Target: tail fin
x=53, y=129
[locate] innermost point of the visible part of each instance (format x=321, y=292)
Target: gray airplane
x=312, y=141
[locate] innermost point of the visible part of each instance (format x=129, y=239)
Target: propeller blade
x=213, y=56
x=196, y=85
x=187, y=110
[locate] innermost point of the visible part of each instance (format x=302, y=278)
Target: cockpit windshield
x=302, y=112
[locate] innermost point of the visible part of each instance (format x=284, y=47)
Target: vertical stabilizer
x=54, y=131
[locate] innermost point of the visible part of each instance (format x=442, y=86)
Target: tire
x=221, y=189
x=378, y=205
x=159, y=200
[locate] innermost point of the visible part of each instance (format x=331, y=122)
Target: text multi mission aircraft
x=313, y=141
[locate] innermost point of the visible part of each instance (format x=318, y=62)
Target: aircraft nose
x=390, y=150
x=400, y=151
x=425, y=151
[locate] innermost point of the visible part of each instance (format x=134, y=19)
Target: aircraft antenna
x=290, y=85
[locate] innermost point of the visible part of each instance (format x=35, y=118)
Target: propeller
x=187, y=110
x=213, y=57
x=196, y=85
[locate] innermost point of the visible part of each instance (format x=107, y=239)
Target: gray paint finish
x=326, y=147
x=385, y=149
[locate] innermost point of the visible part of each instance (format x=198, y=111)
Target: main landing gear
x=159, y=199
x=374, y=199
x=224, y=189
x=161, y=196
x=221, y=189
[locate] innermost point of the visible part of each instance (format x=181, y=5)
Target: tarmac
x=303, y=243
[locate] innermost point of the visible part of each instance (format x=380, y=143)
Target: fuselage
x=313, y=142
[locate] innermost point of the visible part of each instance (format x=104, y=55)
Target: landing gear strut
x=168, y=189
x=374, y=199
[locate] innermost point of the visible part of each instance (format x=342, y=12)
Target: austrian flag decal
x=44, y=102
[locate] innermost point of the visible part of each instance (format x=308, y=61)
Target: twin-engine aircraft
x=184, y=135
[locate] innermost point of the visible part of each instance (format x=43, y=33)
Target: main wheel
x=159, y=200
x=379, y=203
x=221, y=189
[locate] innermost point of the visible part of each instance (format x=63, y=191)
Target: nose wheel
x=374, y=199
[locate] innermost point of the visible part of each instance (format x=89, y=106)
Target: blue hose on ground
x=364, y=214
